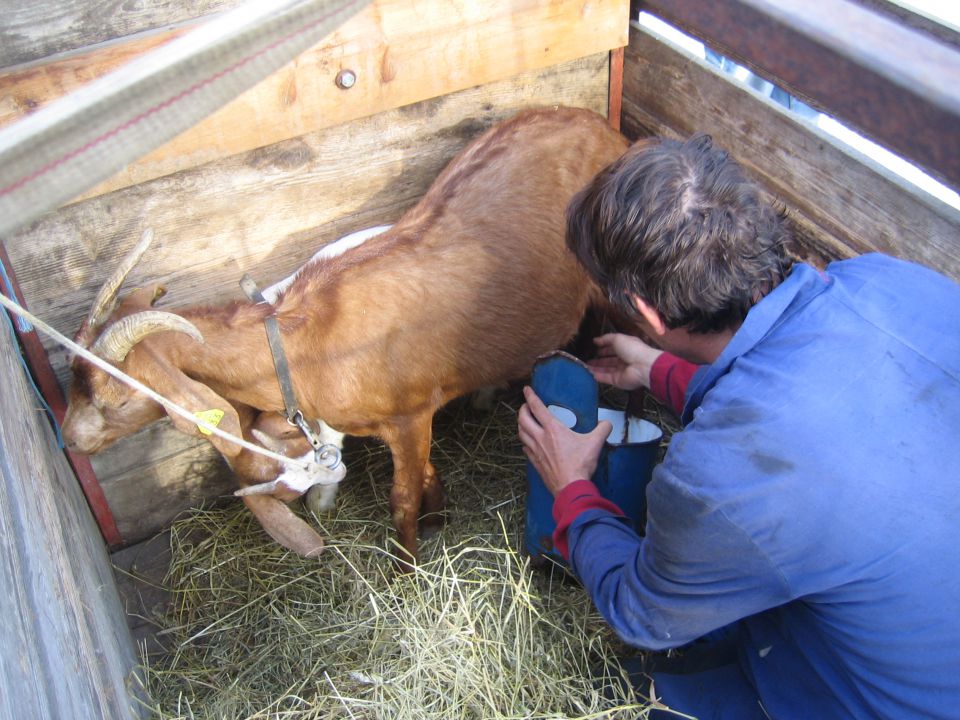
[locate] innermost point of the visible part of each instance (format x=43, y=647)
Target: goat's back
x=475, y=281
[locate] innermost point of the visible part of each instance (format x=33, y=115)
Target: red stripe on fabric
x=575, y=498
x=669, y=378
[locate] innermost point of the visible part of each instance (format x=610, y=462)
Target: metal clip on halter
x=321, y=451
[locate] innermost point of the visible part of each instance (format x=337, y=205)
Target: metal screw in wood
x=346, y=79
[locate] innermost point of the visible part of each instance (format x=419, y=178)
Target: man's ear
x=650, y=314
x=208, y=406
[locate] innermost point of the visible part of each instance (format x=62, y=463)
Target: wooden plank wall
x=843, y=202
x=400, y=51
x=66, y=650
x=34, y=31
x=884, y=75
x=274, y=185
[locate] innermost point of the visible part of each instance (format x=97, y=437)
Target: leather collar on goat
x=293, y=413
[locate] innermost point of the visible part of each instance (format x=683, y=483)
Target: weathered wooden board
x=140, y=570
x=153, y=476
x=263, y=212
x=400, y=51
x=38, y=29
x=66, y=650
x=873, y=72
x=844, y=203
x=911, y=17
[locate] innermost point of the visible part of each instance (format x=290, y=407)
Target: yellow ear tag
x=212, y=417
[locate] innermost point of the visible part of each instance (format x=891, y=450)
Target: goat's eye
x=109, y=406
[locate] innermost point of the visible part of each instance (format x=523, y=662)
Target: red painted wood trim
x=39, y=365
x=615, y=96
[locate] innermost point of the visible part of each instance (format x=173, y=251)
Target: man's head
x=677, y=225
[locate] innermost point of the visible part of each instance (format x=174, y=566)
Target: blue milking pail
x=567, y=388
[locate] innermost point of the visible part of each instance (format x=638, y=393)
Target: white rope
x=171, y=406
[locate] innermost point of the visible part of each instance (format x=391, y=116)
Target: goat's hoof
x=404, y=565
x=432, y=523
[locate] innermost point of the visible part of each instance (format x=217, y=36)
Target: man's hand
x=559, y=454
x=623, y=361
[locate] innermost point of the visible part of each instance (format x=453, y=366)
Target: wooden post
x=615, y=97
x=39, y=365
x=66, y=651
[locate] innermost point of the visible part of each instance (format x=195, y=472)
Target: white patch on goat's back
x=348, y=242
x=330, y=250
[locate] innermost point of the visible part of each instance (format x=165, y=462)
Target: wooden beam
x=66, y=650
x=896, y=85
x=400, y=52
x=913, y=19
x=42, y=371
x=40, y=29
x=615, y=96
x=843, y=202
x=27, y=89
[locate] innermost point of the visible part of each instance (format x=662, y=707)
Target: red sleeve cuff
x=669, y=378
x=574, y=499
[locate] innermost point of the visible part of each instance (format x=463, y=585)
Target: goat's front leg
x=410, y=447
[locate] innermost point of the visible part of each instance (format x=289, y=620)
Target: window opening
x=949, y=13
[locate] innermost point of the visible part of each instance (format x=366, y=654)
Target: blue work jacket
x=814, y=494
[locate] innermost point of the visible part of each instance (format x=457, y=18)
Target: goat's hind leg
x=414, y=480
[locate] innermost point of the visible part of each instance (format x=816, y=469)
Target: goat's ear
x=208, y=406
x=142, y=298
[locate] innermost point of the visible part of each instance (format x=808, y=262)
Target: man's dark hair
x=679, y=225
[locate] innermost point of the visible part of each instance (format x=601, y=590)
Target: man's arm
x=627, y=362
x=575, y=498
x=694, y=572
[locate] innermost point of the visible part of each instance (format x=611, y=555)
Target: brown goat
x=465, y=291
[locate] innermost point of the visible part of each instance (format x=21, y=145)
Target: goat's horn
x=284, y=526
x=119, y=339
x=268, y=441
x=104, y=301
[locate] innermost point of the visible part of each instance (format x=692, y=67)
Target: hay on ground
x=257, y=632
